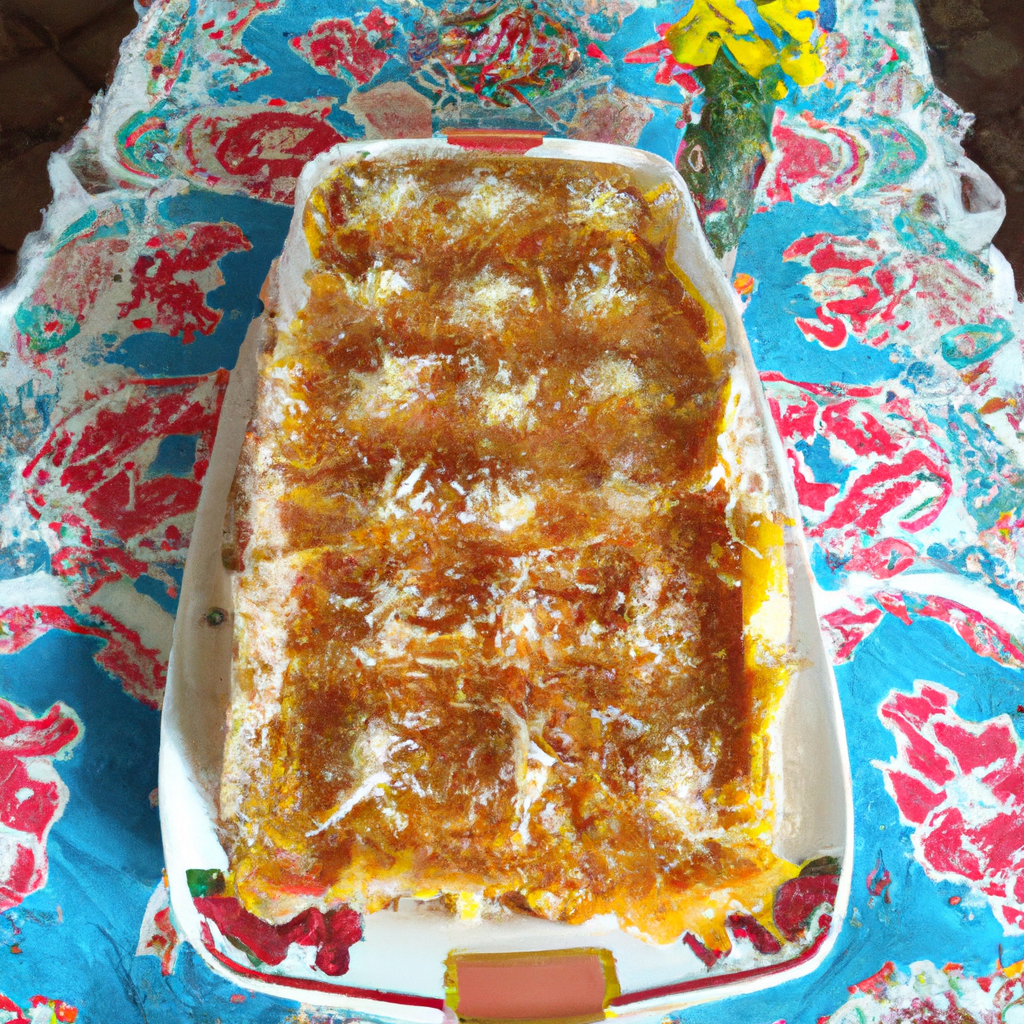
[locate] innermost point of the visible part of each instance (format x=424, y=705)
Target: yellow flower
x=711, y=24
x=753, y=54
x=785, y=16
x=802, y=64
x=697, y=37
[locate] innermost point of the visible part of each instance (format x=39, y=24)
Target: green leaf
x=204, y=882
x=724, y=154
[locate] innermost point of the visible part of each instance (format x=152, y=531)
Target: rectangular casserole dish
x=409, y=961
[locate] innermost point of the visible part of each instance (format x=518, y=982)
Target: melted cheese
x=500, y=635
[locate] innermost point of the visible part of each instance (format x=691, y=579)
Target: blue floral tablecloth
x=885, y=328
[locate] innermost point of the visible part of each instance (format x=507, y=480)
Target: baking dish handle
x=495, y=140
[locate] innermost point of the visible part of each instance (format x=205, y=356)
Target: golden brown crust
x=490, y=609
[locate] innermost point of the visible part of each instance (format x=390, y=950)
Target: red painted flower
x=848, y=626
x=895, y=475
x=220, y=42
x=873, y=479
x=258, y=150
x=856, y=618
x=872, y=291
x=165, y=291
x=141, y=670
x=102, y=460
x=960, y=786
x=115, y=485
x=32, y=795
x=820, y=161
x=157, y=278
x=338, y=47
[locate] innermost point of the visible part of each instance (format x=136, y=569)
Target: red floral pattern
x=141, y=670
x=897, y=477
x=32, y=795
x=221, y=41
x=517, y=55
x=90, y=482
x=338, y=47
x=259, y=149
x=870, y=293
x=813, y=159
x=855, y=620
x=165, y=300
x=111, y=514
x=101, y=282
x=960, y=786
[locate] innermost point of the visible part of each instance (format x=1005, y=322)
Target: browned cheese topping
x=489, y=607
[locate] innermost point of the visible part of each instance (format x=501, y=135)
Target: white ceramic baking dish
x=398, y=969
